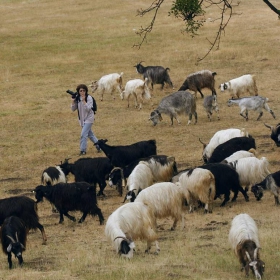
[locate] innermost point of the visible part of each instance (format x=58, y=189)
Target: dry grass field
x=50, y=46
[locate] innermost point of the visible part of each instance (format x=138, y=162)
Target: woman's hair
x=83, y=86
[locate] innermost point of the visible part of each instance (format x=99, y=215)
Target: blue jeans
x=86, y=132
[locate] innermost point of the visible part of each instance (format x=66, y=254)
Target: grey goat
x=255, y=103
x=175, y=104
x=210, y=104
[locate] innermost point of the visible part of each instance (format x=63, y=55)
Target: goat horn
x=124, y=238
x=11, y=238
x=269, y=126
x=255, y=254
x=201, y=142
x=248, y=256
x=17, y=237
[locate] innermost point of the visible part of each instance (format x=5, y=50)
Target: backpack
x=94, y=105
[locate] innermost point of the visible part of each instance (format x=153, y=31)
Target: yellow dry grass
x=49, y=46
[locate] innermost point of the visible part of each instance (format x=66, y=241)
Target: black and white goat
x=79, y=196
x=199, y=80
x=271, y=183
x=244, y=240
x=13, y=237
x=275, y=133
x=254, y=103
x=129, y=222
x=24, y=208
x=155, y=74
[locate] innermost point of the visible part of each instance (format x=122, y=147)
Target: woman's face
x=82, y=92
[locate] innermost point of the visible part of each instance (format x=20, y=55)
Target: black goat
x=24, y=208
x=71, y=197
x=275, y=133
x=91, y=170
x=231, y=146
x=120, y=156
x=13, y=237
x=155, y=74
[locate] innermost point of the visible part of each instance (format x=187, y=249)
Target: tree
x=192, y=13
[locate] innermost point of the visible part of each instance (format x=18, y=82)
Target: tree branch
x=272, y=7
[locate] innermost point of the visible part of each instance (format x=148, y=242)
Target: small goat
x=13, y=237
x=210, y=104
x=243, y=237
x=129, y=222
x=241, y=85
x=255, y=103
x=177, y=103
x=199, y=80
x=272, y=183
x=154, y=74
x=139, y=89
x=108, y=83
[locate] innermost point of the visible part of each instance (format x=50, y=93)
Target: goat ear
x=9, y=248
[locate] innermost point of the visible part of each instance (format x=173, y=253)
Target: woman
x=83, y=103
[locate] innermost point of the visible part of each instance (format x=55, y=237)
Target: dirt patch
x=13, y=179
x=27, y=192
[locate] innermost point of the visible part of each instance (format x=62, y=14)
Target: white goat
x=140, y=178
x=220, y=137
x=251, y=170
x=139, y=89
x=200, y=185
x=255, y=103
x=165, y=199
x=210, y=104
x=240, y=154
x=129, y=222
x=244, y=240
x=108, y=83
x=241, y=85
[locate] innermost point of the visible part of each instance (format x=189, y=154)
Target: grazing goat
x=108, y=83
x=154, y=74
x=240, y=154
x=140, y=178
x=200, y=186
x=251, y=170
x=13, y=237
x=24, y=208
x=165, y=199
x=210, y=104
x=275, y=133
x=244, y=240
x=175, y=104
x=140, y=91
x=91, y=170
x=255, y=103
x=218, y=138
x=162, y=166
x=272, y=183
x=226, y=180
x=231, y=146
x=66, y=197
x=199, y=80
x=241, y=85
x=120, y=156
x=129, y=222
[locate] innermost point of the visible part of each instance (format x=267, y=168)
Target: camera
x=75, y=95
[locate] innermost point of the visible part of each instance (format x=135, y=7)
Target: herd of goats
x=154, y=187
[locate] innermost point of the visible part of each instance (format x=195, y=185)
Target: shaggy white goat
x=129, y=222
x=138, y=89
x=140, y=178
x=165, y=199
x=244, y=240
x=254, y=103
x=220, y=137
x=200, y=185
x=241, y=85
x=251, y=170
x=108, y=83
x=240, y=154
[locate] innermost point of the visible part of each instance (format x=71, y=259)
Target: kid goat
x=255, y=103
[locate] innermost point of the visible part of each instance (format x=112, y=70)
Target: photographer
x=83, y=102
